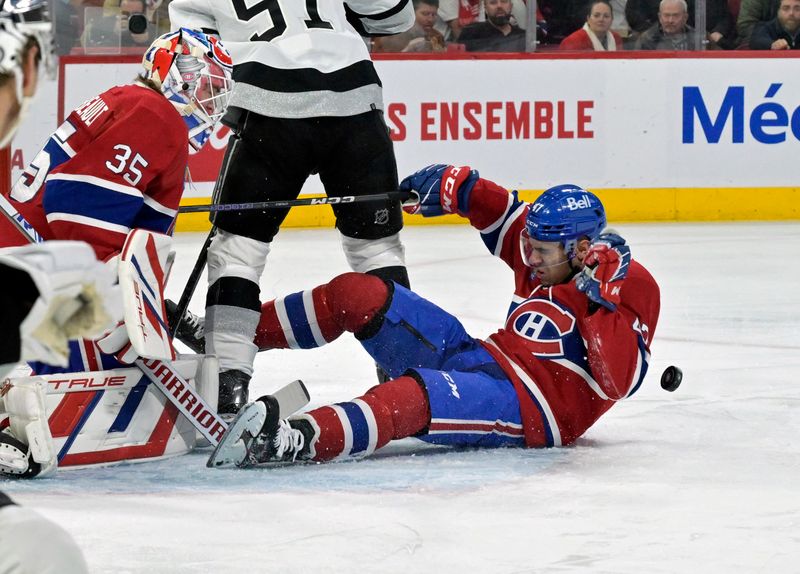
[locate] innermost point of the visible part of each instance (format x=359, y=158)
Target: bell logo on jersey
x=544, y=324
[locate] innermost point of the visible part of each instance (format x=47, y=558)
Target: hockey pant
x=447, y=388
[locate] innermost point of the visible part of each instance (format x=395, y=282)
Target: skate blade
x=232, y=448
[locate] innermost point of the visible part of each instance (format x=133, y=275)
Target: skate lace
x=193, y=324
x=288, y=440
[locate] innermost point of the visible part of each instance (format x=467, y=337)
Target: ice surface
x=701, y=480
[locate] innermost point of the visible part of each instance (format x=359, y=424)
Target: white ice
x=701, y=480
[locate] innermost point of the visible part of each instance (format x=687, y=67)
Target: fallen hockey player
x=575, y=341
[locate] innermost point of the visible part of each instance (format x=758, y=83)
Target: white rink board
x=632, y=117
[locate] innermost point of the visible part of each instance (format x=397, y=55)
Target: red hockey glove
x=605, y=268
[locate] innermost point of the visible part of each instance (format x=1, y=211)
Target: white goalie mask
x=193, y=70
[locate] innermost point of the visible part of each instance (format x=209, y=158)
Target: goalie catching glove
x=440, y=189
x=605, y=268
x=69, y=294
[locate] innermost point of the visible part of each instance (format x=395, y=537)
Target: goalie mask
x=193, y=71
x=563, y=214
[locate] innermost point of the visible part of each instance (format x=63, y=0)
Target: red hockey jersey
x=568, y=365
x=117, y=163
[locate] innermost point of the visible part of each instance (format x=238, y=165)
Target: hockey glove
x=441, y=189
x=76, y=298
x=605, y=269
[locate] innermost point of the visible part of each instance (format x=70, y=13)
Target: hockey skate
x=233, y=392
x=191, y=331
x=258, y=435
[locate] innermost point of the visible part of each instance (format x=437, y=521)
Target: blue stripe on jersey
x=132, y=402
x=643, y=354
x=87, y=412
x=298, y=319
x=149, y=218
x=491, y=238
x=82, y=198
x=359, y=426
x=57, y=154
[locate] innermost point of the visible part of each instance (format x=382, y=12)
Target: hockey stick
x=192, y=281
x=161, y=373
x=202, y=257
x=403, y=196
x=18, y=221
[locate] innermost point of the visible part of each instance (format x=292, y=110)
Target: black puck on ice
x=671, y=378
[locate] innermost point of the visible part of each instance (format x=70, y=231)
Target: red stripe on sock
x=330, y=442
x=269, y=333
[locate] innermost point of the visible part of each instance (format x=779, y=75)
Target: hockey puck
x=671, y=378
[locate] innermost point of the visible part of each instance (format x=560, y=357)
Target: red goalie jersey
x=568, y=363
x=116, y=163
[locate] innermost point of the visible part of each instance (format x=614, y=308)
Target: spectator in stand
x=497, y=33
x=422, y=37
x=643, y=14
x=620, y=23
x=780, y=33
x=671, y=32
x=751, y=12
x=596, y=33
x=563, y=18
x=454, y=15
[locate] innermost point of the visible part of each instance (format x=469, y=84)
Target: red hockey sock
x=394, y=410
x=313, y=318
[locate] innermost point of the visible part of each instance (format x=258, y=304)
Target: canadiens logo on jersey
x=549, y=330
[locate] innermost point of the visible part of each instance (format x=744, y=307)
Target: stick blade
x=232, y=447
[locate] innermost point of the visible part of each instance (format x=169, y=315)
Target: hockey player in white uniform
x=307, y=100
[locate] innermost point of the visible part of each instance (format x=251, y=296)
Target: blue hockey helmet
x=566, y=213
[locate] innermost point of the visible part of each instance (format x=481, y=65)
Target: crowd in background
x=116, y=26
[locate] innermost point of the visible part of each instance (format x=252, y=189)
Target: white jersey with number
x=299, y=58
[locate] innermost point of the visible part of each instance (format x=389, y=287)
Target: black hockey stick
x=282, y=204
x=202, y=257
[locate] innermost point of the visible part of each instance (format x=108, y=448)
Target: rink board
x=658, y=137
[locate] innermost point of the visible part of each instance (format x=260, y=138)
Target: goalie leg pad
x=106, y=417
x=25, y=405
